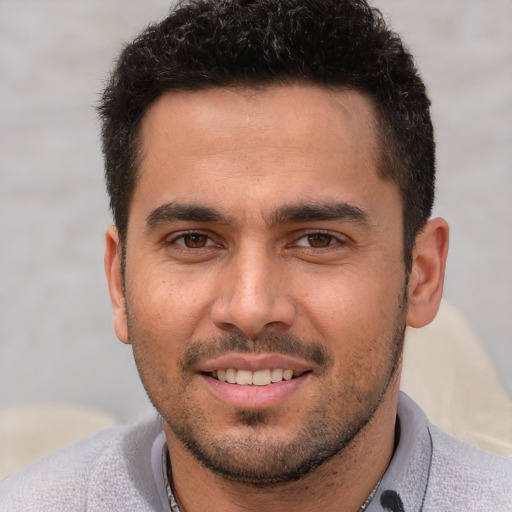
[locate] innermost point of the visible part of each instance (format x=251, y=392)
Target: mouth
x=250, y=381
x=255, y=382
x=263, y=377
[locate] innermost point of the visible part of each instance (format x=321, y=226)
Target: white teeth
x=287, y=374
x=231, y=375
x=261, y=378
x=277, y=375
x=257, y=378
x=244, y=377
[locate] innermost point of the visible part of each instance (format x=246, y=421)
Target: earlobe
x=113, y=271
x=427, y=273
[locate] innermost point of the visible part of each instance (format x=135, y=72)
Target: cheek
x=350, y=301
x=167, y=305
x=356, y=316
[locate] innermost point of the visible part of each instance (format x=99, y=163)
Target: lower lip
x=254, y=397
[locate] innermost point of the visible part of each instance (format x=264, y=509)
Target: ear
x=427, y=273
x=113, y=271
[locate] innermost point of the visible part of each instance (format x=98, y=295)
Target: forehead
x=296, y=114
x=275, y=143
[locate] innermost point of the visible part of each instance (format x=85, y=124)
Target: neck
x=341, y=484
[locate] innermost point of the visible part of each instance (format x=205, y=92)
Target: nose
x=252, y=296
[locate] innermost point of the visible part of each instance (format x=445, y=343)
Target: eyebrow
x=312, y=212
x=171, y=212
x=288, y=214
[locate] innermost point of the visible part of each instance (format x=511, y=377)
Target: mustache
x=274, y=343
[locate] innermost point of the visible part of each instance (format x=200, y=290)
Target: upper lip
x=254, y=362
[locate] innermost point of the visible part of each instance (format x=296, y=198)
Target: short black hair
x=342, y=44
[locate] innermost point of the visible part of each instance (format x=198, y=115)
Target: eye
x=194, y=240
x=316, y=240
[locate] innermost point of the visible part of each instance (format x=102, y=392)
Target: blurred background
x=56, y=338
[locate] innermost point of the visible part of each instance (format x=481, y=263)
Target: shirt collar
x=403, y=485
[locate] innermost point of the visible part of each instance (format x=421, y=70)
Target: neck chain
x=370, y=498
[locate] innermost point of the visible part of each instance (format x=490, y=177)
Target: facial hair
x=252, y=454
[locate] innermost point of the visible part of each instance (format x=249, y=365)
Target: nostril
x=251, y=318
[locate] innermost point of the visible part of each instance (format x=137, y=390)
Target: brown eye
x=195, y=240
x=319, y=240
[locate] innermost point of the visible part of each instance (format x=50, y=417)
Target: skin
x=261, y=235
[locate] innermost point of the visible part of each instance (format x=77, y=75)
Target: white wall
x=56, y=340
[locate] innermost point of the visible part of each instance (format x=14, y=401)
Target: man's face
x=262, y=244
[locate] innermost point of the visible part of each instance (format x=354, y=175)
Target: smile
x=254, y=378
x=256, y=381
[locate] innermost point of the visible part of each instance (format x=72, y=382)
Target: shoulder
x=466, y=478
x=88, y=475
x=433, y=472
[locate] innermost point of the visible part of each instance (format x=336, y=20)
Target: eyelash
x=175, y=240
x=332, y=239
x=209, y=242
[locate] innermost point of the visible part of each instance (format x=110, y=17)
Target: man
x=270, y=166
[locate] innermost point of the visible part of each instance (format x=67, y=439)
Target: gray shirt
x=121, y=469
